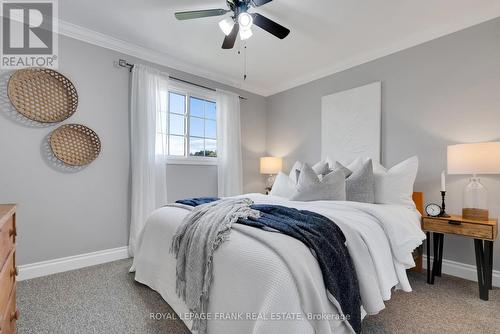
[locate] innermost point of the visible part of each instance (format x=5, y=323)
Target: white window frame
x=199, y=93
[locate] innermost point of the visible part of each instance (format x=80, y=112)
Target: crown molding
x=96, y=38
x=165, y=59
x=406, y=43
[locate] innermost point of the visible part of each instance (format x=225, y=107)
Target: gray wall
x=185, y=181
x=442, y=92
x=64, y=213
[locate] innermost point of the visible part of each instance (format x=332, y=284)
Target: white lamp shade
x=478, y=158
x=270, y=165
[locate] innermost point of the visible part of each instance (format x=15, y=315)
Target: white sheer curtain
x=148, y=146
x=230, y=174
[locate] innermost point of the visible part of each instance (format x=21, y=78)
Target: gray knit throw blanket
x=194, y=243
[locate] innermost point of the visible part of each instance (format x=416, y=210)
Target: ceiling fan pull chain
x=245, y=62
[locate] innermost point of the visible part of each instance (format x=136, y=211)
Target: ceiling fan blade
x=197, y=14
x=258, y=3
x=270, y=26
x=231, y=38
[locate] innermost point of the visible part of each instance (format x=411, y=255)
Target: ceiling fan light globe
x=226, y=25
x=245, y=20
x=245, y=34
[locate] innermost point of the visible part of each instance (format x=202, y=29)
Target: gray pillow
x=332, y=187
x=338, y=166
x=360, y=185
x=320, y=168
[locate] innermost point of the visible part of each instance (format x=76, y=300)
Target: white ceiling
x=326, y=35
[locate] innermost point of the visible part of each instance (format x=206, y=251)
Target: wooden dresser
x=8, y=311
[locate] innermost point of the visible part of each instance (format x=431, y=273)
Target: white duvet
x=266, y=282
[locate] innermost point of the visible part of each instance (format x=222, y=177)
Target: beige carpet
x=105, y=299
x=451, y=305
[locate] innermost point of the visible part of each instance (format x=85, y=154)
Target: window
x=186, y=126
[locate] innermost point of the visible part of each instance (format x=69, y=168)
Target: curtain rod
x=124, y=63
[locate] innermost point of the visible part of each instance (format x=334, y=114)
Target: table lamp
x=270, y=166
x=478, y=158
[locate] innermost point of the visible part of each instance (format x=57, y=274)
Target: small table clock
x=433, y=210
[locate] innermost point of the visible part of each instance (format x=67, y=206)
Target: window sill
x=192, y=161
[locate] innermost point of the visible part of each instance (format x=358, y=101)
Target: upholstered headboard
x=351, y=124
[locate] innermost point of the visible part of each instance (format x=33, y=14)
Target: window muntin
x=187, y=127
x=202, y=127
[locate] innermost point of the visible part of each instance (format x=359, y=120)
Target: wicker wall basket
x=42, y=95
x=75, y=144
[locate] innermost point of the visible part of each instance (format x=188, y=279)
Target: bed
x=279, y=289
x=265, y=282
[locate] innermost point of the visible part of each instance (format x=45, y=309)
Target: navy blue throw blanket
x=326, y=239
x=197, y=201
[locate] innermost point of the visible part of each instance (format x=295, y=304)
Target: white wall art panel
x=350, y=124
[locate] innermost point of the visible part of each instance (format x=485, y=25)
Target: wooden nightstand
x=483, y=233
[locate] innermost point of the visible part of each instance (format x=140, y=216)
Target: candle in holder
x=443, y=181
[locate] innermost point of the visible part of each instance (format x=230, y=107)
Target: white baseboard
x=462, y=270
x=55, y=266
x=44, y=268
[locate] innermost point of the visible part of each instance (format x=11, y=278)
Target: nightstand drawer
x=461, y=228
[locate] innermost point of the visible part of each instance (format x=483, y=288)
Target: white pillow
x=283, y=186
x=395, y=186
x=310, y=188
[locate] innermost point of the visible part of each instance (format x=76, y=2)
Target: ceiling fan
x=240, y=21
